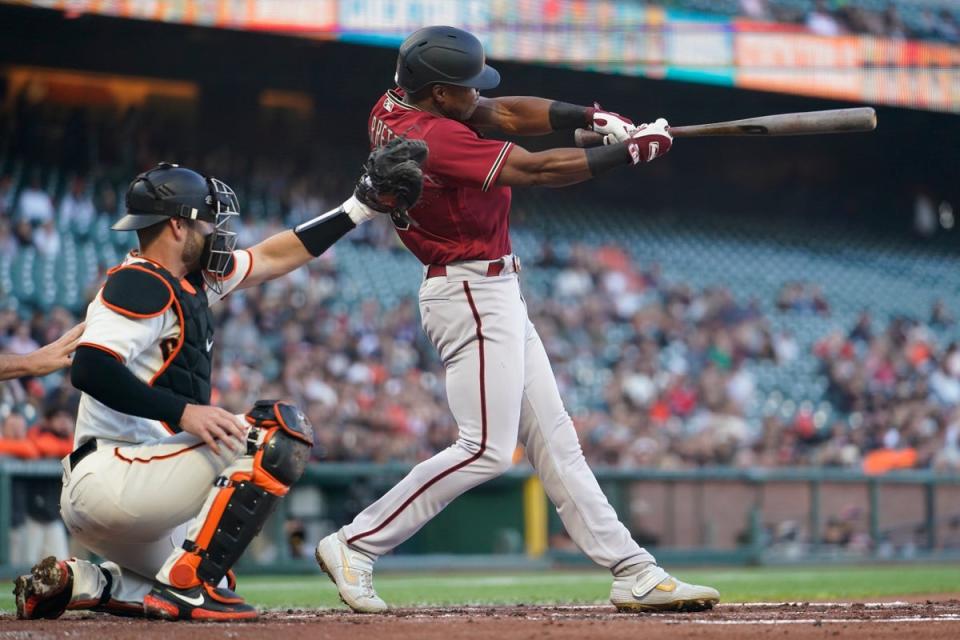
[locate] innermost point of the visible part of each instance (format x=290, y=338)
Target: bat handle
x=585, y=138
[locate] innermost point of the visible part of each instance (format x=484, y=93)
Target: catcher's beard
x=193, y=250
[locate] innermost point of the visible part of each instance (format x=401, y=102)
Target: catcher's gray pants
x=499, y=386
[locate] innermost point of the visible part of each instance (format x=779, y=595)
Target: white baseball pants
x=133, y=506
x=500, y=388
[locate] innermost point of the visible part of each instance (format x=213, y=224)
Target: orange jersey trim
x=131, y=314
x=187, y=286
x=165, y=456
x=106, y=350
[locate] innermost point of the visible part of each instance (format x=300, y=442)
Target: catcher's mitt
x=392, y=176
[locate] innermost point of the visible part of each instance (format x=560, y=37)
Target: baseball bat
x=781, y=124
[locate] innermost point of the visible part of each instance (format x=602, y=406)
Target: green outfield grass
x=551, y=587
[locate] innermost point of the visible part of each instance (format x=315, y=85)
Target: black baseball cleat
x=202, y=602
x=45, y=591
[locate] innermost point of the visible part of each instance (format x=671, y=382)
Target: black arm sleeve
x=564, y=115
x=602, y=159
x=319, y=234
x=109, y=381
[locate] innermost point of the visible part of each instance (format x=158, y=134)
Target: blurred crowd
x=841, y=17
x=662, y=374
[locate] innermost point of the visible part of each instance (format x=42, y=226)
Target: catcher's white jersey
x=139, y=344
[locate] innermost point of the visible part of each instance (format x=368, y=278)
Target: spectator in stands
x=7, y=194
x=13, y=437
x=46, y=239
x=23, y=233
x=34, y=205
x=53, y=437
x=756, y=9
x=947, y=27
x=21, y=342
x=803, y=297
x=76, y=208
x=37, y=529
x=8, y=241
x=44, y=531
x=944, y=386
x=925, y=28
x=893, y=25
x=946, y=458
x=785, y=347
x=105, y=201
x=857, y=19
x=822, y=21
x=862, y=332
x=940, y=315
x=14, y=444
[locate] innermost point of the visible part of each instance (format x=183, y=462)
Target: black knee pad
x=284, y=457
x=286, y=445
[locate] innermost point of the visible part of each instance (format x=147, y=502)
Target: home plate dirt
x=935, y=619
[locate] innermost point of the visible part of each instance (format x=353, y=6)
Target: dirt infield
x=924, y=619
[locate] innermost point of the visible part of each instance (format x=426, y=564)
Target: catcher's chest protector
x=188, y=373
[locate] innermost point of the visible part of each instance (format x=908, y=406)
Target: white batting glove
x=612, y=126
x=649, y=141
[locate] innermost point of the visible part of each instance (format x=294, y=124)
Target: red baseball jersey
x=462, y=214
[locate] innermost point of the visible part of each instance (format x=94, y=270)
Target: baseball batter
x=167, y=489
x=499, y=383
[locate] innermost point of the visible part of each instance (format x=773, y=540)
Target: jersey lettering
x=167, y=347
x=380, y=133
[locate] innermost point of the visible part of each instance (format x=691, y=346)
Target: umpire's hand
x=211, y=424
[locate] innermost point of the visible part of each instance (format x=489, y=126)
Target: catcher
x=167, y=489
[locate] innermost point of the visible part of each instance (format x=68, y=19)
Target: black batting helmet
x=445, y=55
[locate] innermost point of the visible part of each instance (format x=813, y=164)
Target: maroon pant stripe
x=483, y=432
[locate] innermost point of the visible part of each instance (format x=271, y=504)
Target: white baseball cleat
x=352, y=572
x=655, y=590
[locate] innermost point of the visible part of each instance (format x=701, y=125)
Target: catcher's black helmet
x=445, y=55
x=171, y=191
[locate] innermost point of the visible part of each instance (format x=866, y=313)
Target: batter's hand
x=211, y=424
x=649, y=141
x=612, y=126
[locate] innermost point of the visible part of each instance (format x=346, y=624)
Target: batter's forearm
x=529, y=116
x=560, y=167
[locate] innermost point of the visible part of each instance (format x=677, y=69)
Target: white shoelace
x=366, y=581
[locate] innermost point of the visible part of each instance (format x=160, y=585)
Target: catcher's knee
x=286, y=440
x=242, y=503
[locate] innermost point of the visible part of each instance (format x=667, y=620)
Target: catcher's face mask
x=217, y=257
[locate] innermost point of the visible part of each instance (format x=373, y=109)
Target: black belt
x=82, y=452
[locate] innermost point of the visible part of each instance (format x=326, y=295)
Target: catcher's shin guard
x=244, y=497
